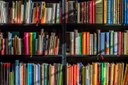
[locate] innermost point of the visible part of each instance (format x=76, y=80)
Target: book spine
x=115, y=43
x=125, y=43
x=95, y=44
x=125, y=11
x=119, y=43
x=105, y=11
x=90, y=12
x=111, y=42
x=107, y=43
x=102, y=43
x=109, y=12
x=84, y=43
x=26, y=43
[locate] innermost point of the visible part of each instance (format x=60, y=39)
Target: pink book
x=26, y=43
x=90, y=12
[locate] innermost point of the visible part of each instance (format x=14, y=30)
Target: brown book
x=99, y=11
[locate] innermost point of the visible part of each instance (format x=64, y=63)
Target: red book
x=3, y=48
x=93, y=11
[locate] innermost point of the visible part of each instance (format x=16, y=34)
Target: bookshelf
x=61, y=30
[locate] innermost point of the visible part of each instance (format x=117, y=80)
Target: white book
x=40, y=45
x=115, y=43
x=49, y=15
x=91, y=44
x=78, y=12
x=22, y=13
x=53, y=12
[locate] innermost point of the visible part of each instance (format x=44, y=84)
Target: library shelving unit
x=62, y=28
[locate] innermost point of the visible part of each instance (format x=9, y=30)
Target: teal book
x=111, y=42
x=45, y=74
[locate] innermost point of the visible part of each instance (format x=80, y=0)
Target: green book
x=80, y=43
x=33, y=43
x=60, y=74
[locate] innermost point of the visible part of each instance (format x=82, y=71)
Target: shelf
x=50, y=1
x=94, y=27
x=95, y=58
x=29, y=27
x=34, y=58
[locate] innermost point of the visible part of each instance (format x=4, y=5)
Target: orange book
x=43, y=12
x=95, y=73
x=74, y=74
x=88, y=43
x=37, y=13
x=84, y=44
x=126, y=75
x=105, y=11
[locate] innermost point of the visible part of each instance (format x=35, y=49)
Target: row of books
x=30, y=74
x=97, y=11
x=93, y=43
x=30, y=12
x=97, y=74
x=32, y=43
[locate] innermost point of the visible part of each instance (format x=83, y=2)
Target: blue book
x=125, y=11
x=107, y=43
x=17, y=72
x=10, y=42
x=38, y=74
x=109, y=12
x=102, y=43
x=30, y=74
x=95, y=44
x=112, y=11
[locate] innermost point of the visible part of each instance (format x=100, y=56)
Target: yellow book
x=105, y=11
x=30, y=43
x=83, y=75
x=112, y=74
